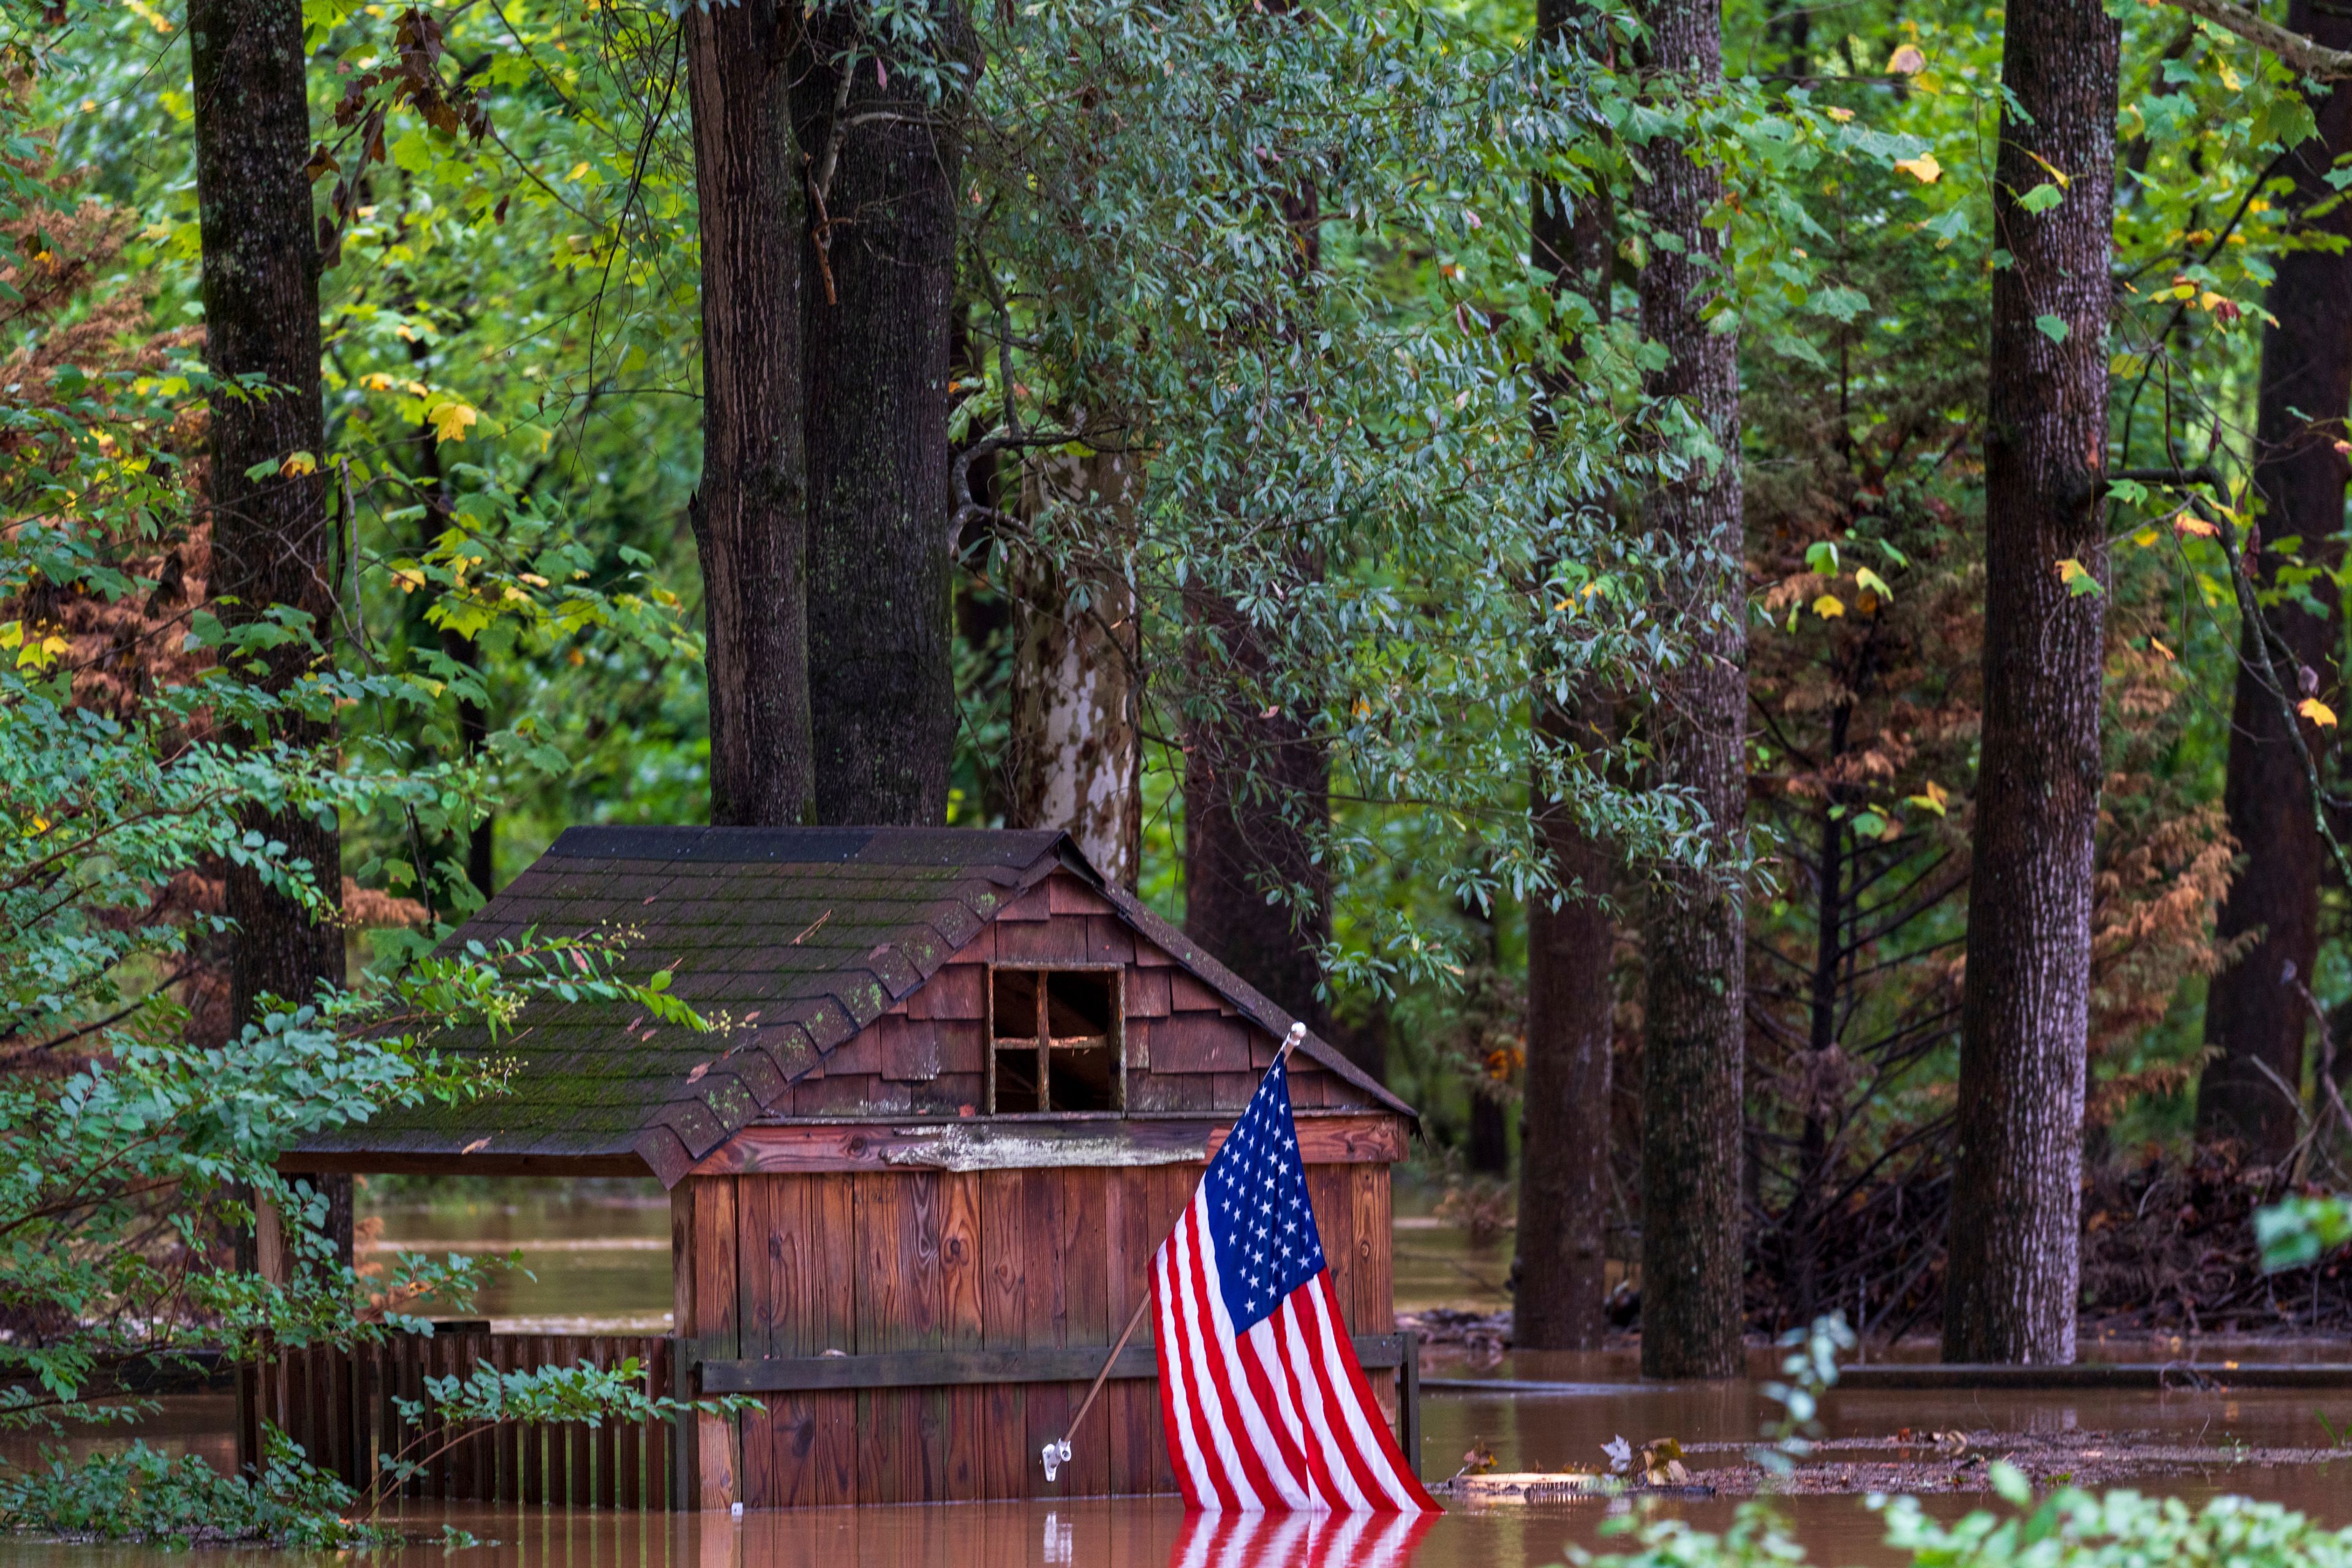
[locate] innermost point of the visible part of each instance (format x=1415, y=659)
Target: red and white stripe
x=1299, y=1540
x=1278, y=1418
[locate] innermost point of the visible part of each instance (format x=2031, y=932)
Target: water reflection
x=1295, y=1540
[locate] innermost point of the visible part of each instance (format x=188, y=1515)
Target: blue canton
x=1260, y=1220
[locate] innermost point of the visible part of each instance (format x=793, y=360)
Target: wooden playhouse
x=961, y=1089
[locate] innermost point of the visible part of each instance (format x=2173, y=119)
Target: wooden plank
x=1127, y=1207
x=1335, y=1222
x=1005, y=1327
x=531, y=1452
x=1376, y=1265
x=1148, y=994
x=1046, y=1197
x=1067, y=896
x=1186, y=1043
x=759, y=1277
x=714, y=1331
x=605, y=1438
x=630, y=1493
x=659, y=1435
x=1086, y=1266
x=1014, y=1144
x=960, y=1329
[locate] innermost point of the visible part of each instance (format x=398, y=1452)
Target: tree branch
x=2312, y=59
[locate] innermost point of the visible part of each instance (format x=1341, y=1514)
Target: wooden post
x=703, y=1318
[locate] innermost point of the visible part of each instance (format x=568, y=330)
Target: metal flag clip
x=1055, y=1454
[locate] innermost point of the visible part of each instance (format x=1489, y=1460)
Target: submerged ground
x=597, y=1256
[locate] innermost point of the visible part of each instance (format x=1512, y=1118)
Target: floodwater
x=598, y=1258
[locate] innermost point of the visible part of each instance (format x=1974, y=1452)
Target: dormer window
x=1054, y=1040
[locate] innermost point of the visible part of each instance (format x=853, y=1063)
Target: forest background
x=1265, y=486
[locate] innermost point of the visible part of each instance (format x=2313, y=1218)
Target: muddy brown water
x=600, y=1260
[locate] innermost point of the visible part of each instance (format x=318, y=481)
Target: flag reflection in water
x=1299, y=1540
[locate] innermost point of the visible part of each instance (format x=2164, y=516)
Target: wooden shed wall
x=1188, y=1049
x=798, y=1264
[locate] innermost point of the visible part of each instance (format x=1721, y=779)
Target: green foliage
x=139, y=1494
x=2302, y=1230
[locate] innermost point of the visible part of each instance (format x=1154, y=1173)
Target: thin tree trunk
x=2255, y=1011
x=2024, y=1019
x=1076, y=744
x=1695, y=1029
x=1562, y=1232
x=270, y=541
x=751, y=509
x=885, y=169
x=1256, y=789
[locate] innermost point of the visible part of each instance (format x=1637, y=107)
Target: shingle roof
x=802, y=935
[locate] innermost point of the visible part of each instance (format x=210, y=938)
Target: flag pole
x=1057, y=1453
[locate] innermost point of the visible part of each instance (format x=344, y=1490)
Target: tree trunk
x=750, y=511
x=876, y=321
x=1563, y=1229
x=1255, y=789
x=2024, y=1017
x=1076, y=746
x=270, y=541
x=1696, y=1028
x=2256, y=1011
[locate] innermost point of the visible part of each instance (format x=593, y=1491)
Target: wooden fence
x=338, y=1406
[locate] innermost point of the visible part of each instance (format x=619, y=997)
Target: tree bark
x=1563, y=1234
x=1694, y=1048
x=1076, y=744
x=2024, y=1017
x=750, y=511
x=2256, y=1011
x=270, y=541
x=885, y=169
x=1256, y=787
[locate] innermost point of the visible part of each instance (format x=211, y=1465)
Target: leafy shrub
x=141, y=1494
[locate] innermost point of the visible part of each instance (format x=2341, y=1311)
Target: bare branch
x=2312, y=59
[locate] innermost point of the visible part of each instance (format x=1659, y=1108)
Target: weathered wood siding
x=1188, y=1049
x=862, y=1262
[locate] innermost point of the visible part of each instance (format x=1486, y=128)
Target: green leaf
x=2042, y=197
x=2051, y=327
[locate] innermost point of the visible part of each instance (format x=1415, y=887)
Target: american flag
x=1298, y=1540
x=1262, y=1402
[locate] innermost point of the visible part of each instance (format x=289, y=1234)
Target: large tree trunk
x=885, y=169
x=2016, y=1196
x=2256, y=1011
x=1257, y=787
x=1076, y=744
x=270, y=541
x=1564, y=1194
x=750, y=511
x=1695, y=1032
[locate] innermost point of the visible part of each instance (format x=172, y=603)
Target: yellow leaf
x=1840, y=115
x=449, y=421
x=1924, y=168
x=377, y=381
x=1872, y=581
x=2318, y=712
x=1906, y=61
x=299, y=463
x=577, y=169
x=2077, y=577
x=1829, y=607
x=2158, y=644
x=2192, y=526
x=2144, y=538
x=1933, y=798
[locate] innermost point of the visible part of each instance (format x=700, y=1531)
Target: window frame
x=1044, y=1043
